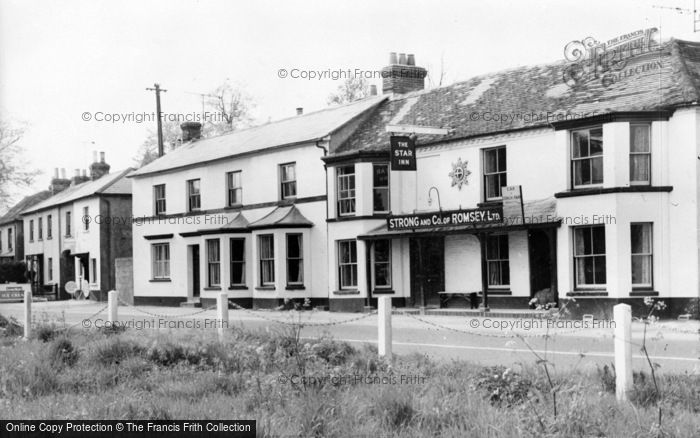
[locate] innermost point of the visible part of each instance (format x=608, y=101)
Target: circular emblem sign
x=460, y=173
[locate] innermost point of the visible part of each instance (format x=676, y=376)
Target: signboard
x=13, y=292
x=513, y=209
x=403, y=153
x=474, y=216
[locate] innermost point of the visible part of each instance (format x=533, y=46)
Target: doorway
x=542, y=263
x=194, y=268
x=427, y=270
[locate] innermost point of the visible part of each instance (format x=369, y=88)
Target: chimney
x=372, y=90
x=191, y=131
x=63, y=173
x=402, y=76
x=98, y=169
x=76, y=177
x=300, y=111
x=58, y=184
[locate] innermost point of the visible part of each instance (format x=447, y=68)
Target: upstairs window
x=494, y=172
x=194, y=201
x=31, y=230
x=9, y=239
x=589, y=256
x=234, y=188
x=159, y=199
x=86, y=218
x=49, y=227
x=40, y=228
x=346, y=190
x=69, y=224
x=587, y=157
x=288, y=180
x=640, y=154
x=380, y=188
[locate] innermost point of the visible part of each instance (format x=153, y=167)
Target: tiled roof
x=305, y=128
x=14, y=213
x=280, y=217
x=237, y=222
x=667, y=77
x=112, y=183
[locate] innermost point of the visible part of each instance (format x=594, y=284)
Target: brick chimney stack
x=402, y=75
x=191, y=131
x=98, y=169
x=59, y=183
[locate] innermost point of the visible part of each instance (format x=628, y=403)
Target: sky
x=62, y=59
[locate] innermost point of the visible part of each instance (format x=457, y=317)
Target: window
x=347, y=263
x=93, y=271
x=640, y=154
x=237, y=262
x=49, y=227
x=0, y=240
x=49, y=269
x=267, y=260
x=86, y=218
x=31, y=230
x=288, y=178
x=295, y=260
x=587, y=157
x=160, y=254
x=213, y=263
x=498, y=267
x=382, y=264
x=642, y=271
x=68, y=224
x=589, y=256
x=380, y=193
x=495, y=176
x=159, y=199
x=346, y=190
x=40, y=228
x=9, y=239
x=194, y=201
x=235, y=189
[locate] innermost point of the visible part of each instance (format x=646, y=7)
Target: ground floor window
x=589, y=256
x=267, y=259
x=213, y=263
x=160, y=258
x=295, y=260
x=641, y=239
x=497, y=260
x=347, y=263
x=50, y=269
x=93, y=270
x=237, y=262
x=382, y=264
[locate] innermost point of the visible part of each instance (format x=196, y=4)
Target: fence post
x=27, y=313
x=112, y=304
x=384, y=327
x=222, y=310
x=622, y=314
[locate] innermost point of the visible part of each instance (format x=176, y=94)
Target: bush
x=46, y=332
x=63, y=352
x=504, y=386
x=10, y=327
x=333, y=352
x=114, y=350
x=607, y=378
x=13, y=272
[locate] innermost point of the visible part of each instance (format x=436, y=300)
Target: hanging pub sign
x=403, y=153
x=513, y=209
x=473, y=216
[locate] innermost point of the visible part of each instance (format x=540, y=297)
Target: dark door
x=195, y=270
x=540, y=261
x=427, y=270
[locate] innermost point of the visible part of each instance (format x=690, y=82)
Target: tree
x=354, y=88
x=148, y=151
x=14, y=171
x=231, y=106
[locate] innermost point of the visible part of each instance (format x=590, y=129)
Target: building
x=608, y=170
x=243, y=213
x=12, y=228
x=76, y=234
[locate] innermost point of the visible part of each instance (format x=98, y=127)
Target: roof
x=14, y=213
x=663, y=78
x=294, y=130
x=113, y=184
x=282, y=217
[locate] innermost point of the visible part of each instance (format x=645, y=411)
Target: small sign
x=513, y=208
x=403, y=153
x=13, y=292
x=474, y=217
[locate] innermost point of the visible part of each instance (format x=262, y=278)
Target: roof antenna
x=684, y=11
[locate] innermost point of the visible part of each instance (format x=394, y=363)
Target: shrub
x=503, y=386
x=394, y=409
x=607, y=378
x=10, y=327
x=643, y=392
x=46, y=332
x=115, y=350
x=63, y=352
x=335, y=353
x=112, y=329
x=13, y=272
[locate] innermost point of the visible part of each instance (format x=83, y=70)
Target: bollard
x=622, y=314
x=222, y=310
x=384, y=327
x=112, y=304
x=27, y=314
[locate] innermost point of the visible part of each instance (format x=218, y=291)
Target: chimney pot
x=77, y=172
x=392, y=58
x=403, y=77
x=402, y=58
x=300, y=111
x=191, y=131
x=411, y=59
x=372, y=90
x=102, y=156
x=84, y=173
x=63, y=173
x=55, y=172
x=94, y=156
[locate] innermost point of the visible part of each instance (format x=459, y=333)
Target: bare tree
x=439, y=79
x=232, y=106
x=14, y=171
x=148, y=151
x=350, y=90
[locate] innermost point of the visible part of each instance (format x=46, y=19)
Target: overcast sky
x=59, y=59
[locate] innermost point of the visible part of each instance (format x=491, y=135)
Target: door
x=541, y=264
x=195, y=270
x=427, y=270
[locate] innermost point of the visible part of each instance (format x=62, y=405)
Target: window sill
x=212, y=288
x=160, y=280
x=600, y=190
x=238, y=287
x=588, y=293
x=383, y=291
x=295, y=287
x=490, y=203
x=269, y=288
x=644, y=293
x=499, y=292
x=346, y=292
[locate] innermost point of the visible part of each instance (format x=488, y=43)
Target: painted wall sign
x=403, y=153
x=460, y=173
x=13, y=291
x=474, y=216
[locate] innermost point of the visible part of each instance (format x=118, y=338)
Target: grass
x=190, y=375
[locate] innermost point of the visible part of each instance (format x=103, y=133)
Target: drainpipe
x=319, y=145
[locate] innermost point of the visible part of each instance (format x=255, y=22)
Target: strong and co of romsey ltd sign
x=474, y=216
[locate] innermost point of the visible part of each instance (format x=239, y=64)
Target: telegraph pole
x=157, y=89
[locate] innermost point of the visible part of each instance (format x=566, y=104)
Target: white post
x=222, y=310
x=384, y=326
x=622, y=313
x=27, y=313
x=112, y=304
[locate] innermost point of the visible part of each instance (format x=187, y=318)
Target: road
x=674, y=345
